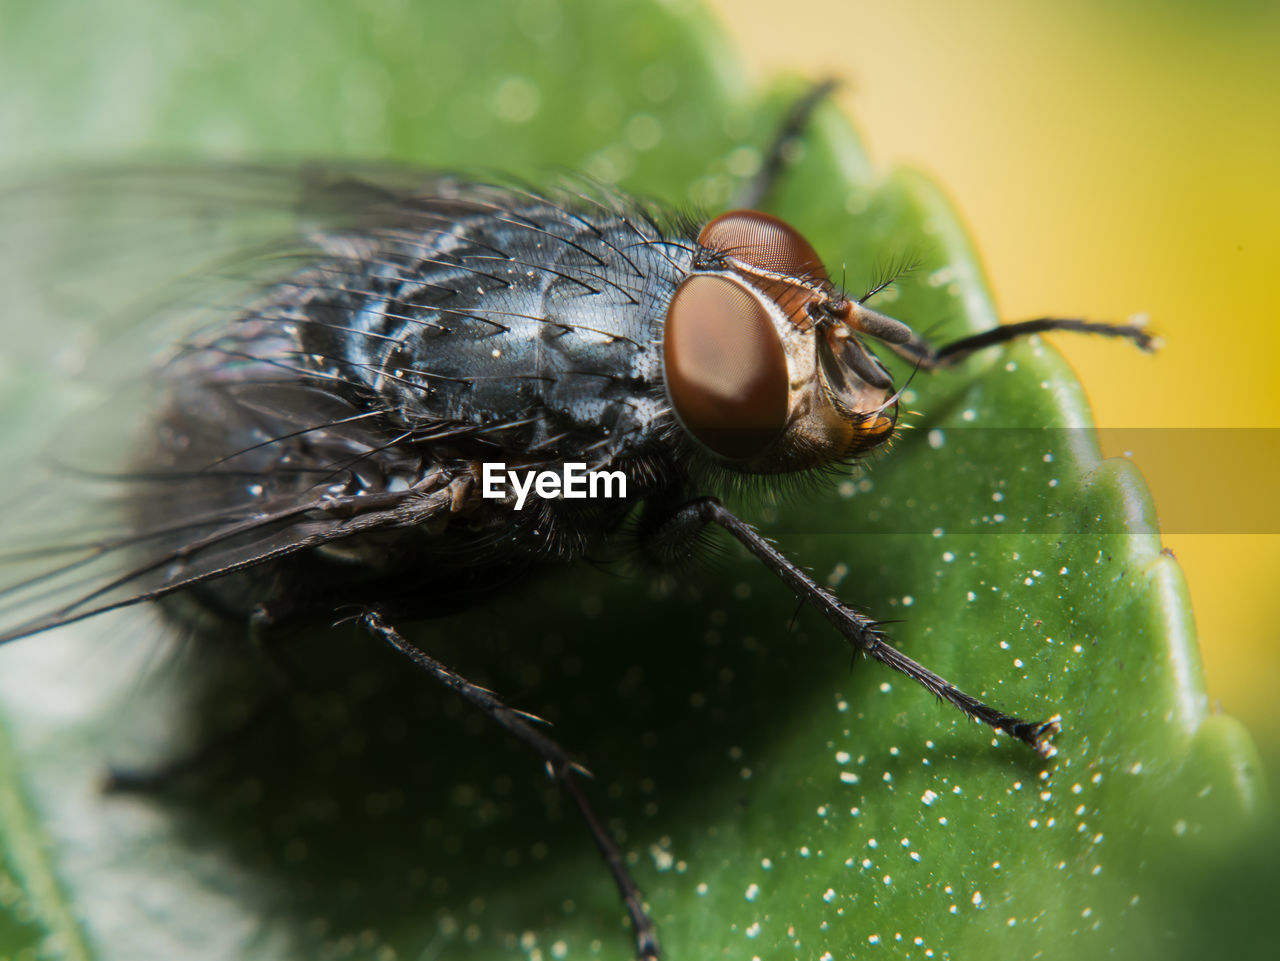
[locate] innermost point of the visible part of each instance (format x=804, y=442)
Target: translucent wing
x=106, y=276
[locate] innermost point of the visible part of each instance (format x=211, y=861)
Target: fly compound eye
x=725, y=369
x=762, y=240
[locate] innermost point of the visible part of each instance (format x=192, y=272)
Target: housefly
x=330, y=448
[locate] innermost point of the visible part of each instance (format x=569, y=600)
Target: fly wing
x=104, y=276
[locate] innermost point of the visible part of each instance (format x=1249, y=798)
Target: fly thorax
x=533, y=329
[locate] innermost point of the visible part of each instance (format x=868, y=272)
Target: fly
x=329, y=447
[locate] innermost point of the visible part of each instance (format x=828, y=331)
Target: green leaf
x=774, y=801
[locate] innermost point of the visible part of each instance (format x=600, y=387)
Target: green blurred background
x=1110, y=158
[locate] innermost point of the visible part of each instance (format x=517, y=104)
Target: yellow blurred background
x=1109, y=159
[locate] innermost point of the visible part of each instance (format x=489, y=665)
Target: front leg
x=864, y=634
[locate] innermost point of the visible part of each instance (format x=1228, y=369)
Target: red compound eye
x=763, y=241
x=726, y=372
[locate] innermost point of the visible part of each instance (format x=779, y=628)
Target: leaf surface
x=775, y=802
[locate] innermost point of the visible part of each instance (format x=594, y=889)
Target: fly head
x=764, y=358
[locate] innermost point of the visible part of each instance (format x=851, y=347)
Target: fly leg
x=859, y=630
x=930, y=358
x=118, y=780
x=157, y=778
x=559, y=765
x=757, y=190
